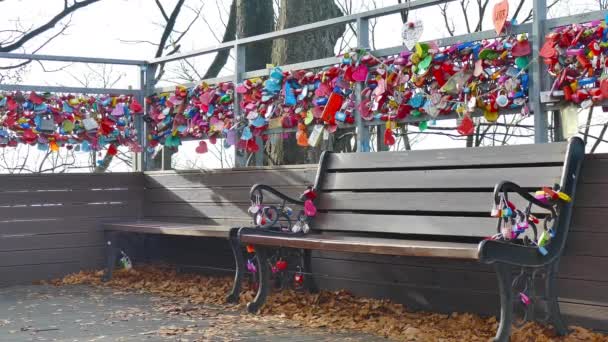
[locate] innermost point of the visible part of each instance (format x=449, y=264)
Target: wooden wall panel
x=50, y=224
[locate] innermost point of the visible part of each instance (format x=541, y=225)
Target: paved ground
x=84, y=313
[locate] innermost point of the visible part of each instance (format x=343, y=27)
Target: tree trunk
x=298, y=48
x=254, y=17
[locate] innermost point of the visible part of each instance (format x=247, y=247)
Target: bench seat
x=371, y=245
x=168, y=228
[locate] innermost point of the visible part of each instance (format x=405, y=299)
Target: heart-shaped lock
x=281, y=265
x=202, y=147
x=466, y=126
x=411, y=33
x=309, y=208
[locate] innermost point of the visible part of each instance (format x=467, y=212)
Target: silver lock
x=47, y=124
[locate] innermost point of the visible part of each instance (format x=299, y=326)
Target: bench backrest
x=430, y=192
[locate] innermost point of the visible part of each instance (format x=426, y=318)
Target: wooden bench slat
x=529, y=177
x=436, y=249
x=406, y=224
x=470, y=157
x=455, y=202
x=215, y=195
x=284, y=177
x=169, y=228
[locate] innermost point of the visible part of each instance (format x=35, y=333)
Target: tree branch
x=49, y=25
x=222, y=56
x=162, y=10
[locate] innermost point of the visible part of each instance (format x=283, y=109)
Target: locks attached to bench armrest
x=281, y=218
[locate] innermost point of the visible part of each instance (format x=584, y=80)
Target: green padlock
x=543, y=239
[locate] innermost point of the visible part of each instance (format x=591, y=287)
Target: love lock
x=298, y=278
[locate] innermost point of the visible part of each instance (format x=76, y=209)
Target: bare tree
x=19, y=38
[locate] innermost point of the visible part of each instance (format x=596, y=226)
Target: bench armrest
x=507, y=186
x=256, y=193
x=492, y=251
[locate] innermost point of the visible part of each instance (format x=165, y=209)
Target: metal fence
x=539, y=100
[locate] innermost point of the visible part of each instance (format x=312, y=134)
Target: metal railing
x=538, y=81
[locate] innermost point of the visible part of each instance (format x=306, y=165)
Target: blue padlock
x=340, y=116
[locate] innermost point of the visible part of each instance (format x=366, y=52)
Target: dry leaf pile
x=336, y=311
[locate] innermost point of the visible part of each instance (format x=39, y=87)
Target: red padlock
x=298, y=278
x=583, y=61
x=568, y=93
x=310, y=193
x=281, y=265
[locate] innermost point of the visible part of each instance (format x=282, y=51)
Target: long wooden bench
x=432, y=203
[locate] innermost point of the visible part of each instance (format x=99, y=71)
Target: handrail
x=328, y=61
x=379, y=12
x=61, y=89
x=75, y=59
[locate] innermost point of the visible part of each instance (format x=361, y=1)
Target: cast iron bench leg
x=555, y=316
x=111, y=255
x=503, y=272
x=235, y=244
x=264, y=280
x=309, y=281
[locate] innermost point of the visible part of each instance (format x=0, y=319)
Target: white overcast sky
x=102, y=29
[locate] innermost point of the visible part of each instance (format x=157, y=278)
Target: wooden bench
x=114, y=230
x=432, y=203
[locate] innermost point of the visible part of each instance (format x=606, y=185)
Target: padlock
x=251, y=266
x=496, y=212
x=281, y=265
x=310, y=193
x=315, y=135
x=543, y=239
x=502, y=100
x=507, y=230
x=297, y=227
x=298, y=278
x=47, y=124
x=525, y=300
x=90, y=124
x=125, y=261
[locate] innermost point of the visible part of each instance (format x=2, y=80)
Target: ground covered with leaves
x=334, y=311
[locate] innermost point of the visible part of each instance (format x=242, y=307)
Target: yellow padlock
x=490, y=116
x=564, y=197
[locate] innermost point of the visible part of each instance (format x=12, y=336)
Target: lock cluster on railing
x=50, y=121
x=575, y=56
x=424, y=82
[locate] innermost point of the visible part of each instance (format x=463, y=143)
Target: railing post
x=362, y=130
x=147, y=75
x=139, y=122
x=240, y=158
x=536, y=84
